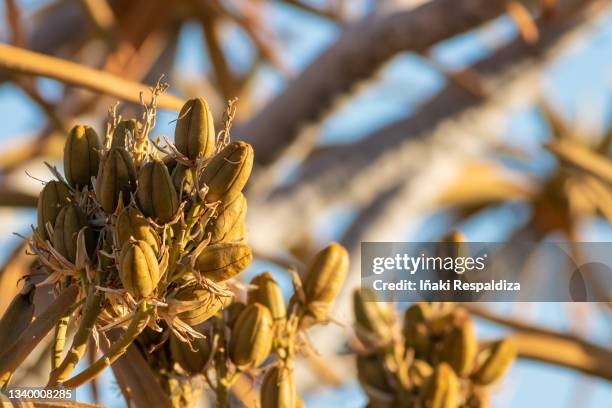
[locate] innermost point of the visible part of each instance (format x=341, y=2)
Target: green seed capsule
x=81, y=156
x=415, y=331
x=441, y=390
x=125, y=130
x=183, y=179
x=496, y=361
x=460, y=347
x=251, y=339
x=374, y=319
x=52, y=198
x=191, y=357
x=228, y=172
x=278, y=389
x=223, y=261
x=155, y=194
x=195, y=130
x=116, y=176
x=66, y=230
x=269, y=294
x=132, y=224
x=208, y=304
x=229, y=224
x=325, y=277
x=138, y=268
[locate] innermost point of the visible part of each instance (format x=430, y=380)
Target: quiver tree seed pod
x=81, y=156
x=70, y=221
x=495, y=361
x=415, y=330
x=374, y=320
x=132, y=224
x=418, y=372
x=324, y=279
x=269, y=294
x=223, y=261
x=232, y=312
x=460, y=347
x=372, y=374
x=52, y=198
x=278, y=389
x=125, y=130
x=229, y=225
x=182, y=179
x=205, y=304
x=195, y=130
x=191, y=357
x=441, y=389
x=227, y=172
x=117, y=176
x=251, y=339
x=155, y=194
x=138, y=268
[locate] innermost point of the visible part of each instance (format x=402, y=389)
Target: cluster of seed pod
x=430, y=360
x=263, y=332
x=149, y=234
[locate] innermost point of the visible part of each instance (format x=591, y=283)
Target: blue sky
x=578, y=85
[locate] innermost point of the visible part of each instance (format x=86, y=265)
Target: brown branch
x=358, y=53
x=27, y=62
x=13, y=198
x=549, y=346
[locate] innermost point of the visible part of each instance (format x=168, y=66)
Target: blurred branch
x=15, y=267
x=13, y=198
x=329, y=12
x=357, y=54
x=549, y=346
x=28, y=62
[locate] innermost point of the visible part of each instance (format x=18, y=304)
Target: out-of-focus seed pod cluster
x=430, y=359
x=152, y=237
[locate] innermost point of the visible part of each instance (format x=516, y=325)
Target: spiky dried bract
x=223, y=261
x=460, y=348
x=117, y=176
x=228, y=172
x=156, y=195
x=191, y=357
x=441, y=389
x=205, y=304
x=268, y=293
x=69, y=222
x=138, y=268
x=52, y=198
x=229, y=225
x=496, y=361
x=374, y=320
x=325, y=278
x=132, y=224
x=251, y=339
x=195, y=131
x=81, y=156
x=278, y=389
